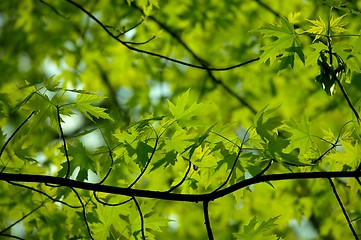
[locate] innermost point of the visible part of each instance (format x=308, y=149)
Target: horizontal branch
x=16, y=177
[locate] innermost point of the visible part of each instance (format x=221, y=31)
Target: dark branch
x=147, y=164
x=175, y=196
x=141, y=217
x=183, y=179
x=45, y=194
x=84, y=212
x=64, y=143
x=206, y=220
x=22, y=218
x=343, y=208
x=12, y=135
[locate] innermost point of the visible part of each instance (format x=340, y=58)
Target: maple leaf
x=84, y=103
x=253, y=232
x=319, y=28
x=286, y=41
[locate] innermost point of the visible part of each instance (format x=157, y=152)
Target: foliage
x=150, y=119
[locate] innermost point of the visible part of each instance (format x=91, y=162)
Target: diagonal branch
x=343, y=208
x=147, y=164
x=64, y=142
x=22, y=218
x=13, y=134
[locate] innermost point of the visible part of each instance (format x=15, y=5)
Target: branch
x=83, y=210
x=268, y=8
x=183, y=179
x=203, y=65
x=15, y=177
x=54, y=9
x=12, y=135
x=348, y=99
x=105, y=28
x=64, y=142
x=45, y=194
x=343, y=208
x=206, y=220
x=141, y=217
x=22, y=218
x=147, y=164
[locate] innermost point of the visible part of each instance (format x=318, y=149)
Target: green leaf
x=78, y=156
x=84, y=102
x=185, y=109
x=260, y=232
x=337, y=25
x=286, y=41
x=319, y=28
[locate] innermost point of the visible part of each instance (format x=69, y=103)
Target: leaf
x=260, y=232
x=350, y=155
x=143, y=152
x=337, y=25
x=110, y=222
x=78, y=156
x=286, y=41
x=301, y=134
x=319, y=28
x=185, y=109
x=293, y=17
x=84, y=103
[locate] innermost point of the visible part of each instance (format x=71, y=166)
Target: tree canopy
x=155, y=119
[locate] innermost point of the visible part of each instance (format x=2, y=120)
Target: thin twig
x=141, y=217
x=43, y=193
x=54, y=9
x=22, y=218
x=343, y=208
x=109, y=204
x=344, y=93
x=16, y=130
x=141, y=43
x=84, y=212
x=156, y=54
x=232, y=170
x=147, y=164
x=265, y=169
x=268, y=8
x=183, y=179
x=64, y=142
x=11, y=236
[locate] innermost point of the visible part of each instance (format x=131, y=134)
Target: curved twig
x=183, y=179
x=147, y=164
x=13, y=134
x=84, y=212
x=43, y=193
x=141, y=217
